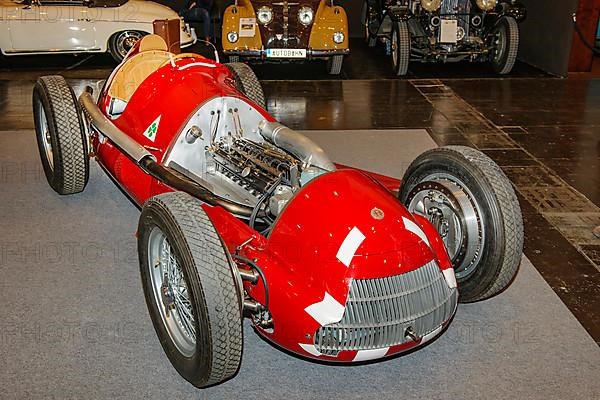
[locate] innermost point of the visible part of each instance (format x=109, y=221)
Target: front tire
x=400, y=48
x=506, y=40
x=121, y=42
x=472, y=204
x=247, y=82
x=191, y=289
x=60, y=133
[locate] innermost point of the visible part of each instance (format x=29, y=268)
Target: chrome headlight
x=305, y=15
x=265, y=15
x=232, y=37
x=487, y=5
x=431, y=5
x=338, y=37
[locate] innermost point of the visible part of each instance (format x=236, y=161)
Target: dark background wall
x=546, y=34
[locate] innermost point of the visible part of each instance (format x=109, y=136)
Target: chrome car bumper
x=310, y=54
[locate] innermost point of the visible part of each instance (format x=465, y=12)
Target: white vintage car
x=80, y=26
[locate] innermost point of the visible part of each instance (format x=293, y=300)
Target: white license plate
x=449, y=31
x=286, y=53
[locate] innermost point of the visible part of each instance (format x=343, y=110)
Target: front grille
x=285, y=25
x=460, y=9
x=455, y=7
x=379, y=311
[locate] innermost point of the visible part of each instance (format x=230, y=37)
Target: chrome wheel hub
x=126, y=41
x=171, y=293
x=453, y=211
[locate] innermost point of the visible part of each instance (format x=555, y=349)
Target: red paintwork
x=299, y=256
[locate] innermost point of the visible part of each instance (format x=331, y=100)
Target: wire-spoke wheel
x=472, y=204
x=120, y=43
x=170, y=290
x=191, y=288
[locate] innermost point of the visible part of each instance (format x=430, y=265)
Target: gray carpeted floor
x=74, y=325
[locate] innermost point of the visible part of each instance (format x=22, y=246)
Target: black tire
x=211, y=286
x=121, y=42
x=247, y=82
x=334, y=64
x=60, y=133
x=506, y=37
x=479, y=183
x=400, y=47
x=367, y=21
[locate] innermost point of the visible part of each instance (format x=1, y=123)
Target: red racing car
x=244, y=217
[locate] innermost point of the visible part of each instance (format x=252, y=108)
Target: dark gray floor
x=74, y=323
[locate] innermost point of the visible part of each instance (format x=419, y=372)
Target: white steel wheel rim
x=171, y=294
x=45, y=137
x=126, y=41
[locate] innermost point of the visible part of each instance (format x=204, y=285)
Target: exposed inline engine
x=262, y=169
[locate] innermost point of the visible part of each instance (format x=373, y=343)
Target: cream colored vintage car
x=80, y=26
x=281, y=30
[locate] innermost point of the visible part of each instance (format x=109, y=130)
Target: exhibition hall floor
x=75, y=325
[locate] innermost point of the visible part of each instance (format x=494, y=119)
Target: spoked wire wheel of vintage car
x=191, y=289
x=473, y=206
x=370, y=25
x=334, y=64
x=400, y=43
x=120, y=43
x=247, y=82
x=60, y=133
x=505, y=37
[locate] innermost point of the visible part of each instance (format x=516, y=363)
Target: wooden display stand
x=169, y=30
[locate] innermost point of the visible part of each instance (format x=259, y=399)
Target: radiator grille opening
x=379, y=311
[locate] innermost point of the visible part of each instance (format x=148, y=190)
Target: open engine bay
x=228, y=147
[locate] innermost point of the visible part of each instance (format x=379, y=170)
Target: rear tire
x=60, y=133
x=506, y=36
x=334, y=64
x=400, y=48
x=186, y=270
x=474, y=207
x=247, y=82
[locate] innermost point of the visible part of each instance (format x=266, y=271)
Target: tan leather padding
x=134, y=71
x=152, y=42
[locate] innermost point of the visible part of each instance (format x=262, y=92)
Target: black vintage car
x=445, y=30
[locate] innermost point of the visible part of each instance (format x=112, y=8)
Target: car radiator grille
x=460, y=8
x=455, y=7
x=286, y=25
x=380, y=311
